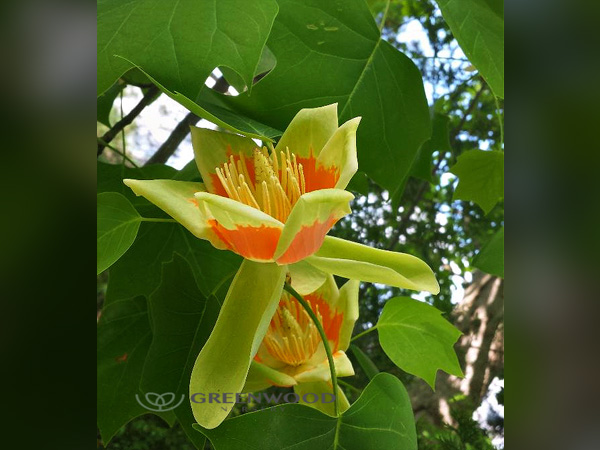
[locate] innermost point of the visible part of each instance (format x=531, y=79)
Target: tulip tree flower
x=266, y=207
x=273, y=207
x=292, y=352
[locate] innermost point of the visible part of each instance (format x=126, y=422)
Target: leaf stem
x=156, y=219
x=348, y=385
x=359, y=335
x=315, y=319
x=384, y=17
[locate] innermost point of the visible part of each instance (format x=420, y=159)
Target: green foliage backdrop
x=431, y=179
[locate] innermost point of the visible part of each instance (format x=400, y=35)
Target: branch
x=177, y=136
x=467, y=111
x=168, y=148
x=417, y=198
x=148, y=98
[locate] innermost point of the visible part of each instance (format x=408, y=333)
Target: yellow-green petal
x=311, y=218
x=176, y=198
x=261, y=377
x=304, y=391
x=224, y=361
x=360, y=262
x=309, y=131
x=214, y=148
x=321, y=372
x=348, y=306
x=305, y=278
x=340, y=153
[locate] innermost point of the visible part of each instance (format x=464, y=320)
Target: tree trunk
x=480, y=316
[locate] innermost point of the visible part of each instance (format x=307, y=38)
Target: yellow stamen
x=277, y=184
x=292, y=336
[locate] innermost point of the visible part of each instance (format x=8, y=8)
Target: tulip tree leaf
x=331, y=52
x=480, y=177
x=491, y=257
x=367, y=365
x=123, y=340
x=381, y=419
x=110, y=179
x=139, y=271
x=180, y=42
x=211, y=108
x=478, y=26
x=118, y=225
x=105, y=102
x=418, y=339
x=182, y=318
x=266, y=64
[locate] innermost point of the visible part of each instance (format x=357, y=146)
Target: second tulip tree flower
x=292, y=353
x=273, y=207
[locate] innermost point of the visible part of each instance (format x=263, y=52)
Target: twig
x=116, y=150
x=463, y=119
x=166, y=150
x=148, y=98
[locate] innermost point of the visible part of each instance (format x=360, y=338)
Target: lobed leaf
x=117, y=226
x=418, y=339
x=381, y=419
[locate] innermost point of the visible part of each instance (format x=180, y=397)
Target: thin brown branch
x=179, y=133
x=467, y=111
x=177, y=136
x=148, y=98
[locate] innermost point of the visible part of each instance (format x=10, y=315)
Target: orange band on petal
x=318, y=177
x=308, y=240
x=255, y=243
x=332, y=320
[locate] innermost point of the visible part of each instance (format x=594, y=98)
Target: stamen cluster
x=292, y=336
x=277, y=185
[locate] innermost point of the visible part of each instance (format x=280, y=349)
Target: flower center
x=277, y=185
x=292, y=336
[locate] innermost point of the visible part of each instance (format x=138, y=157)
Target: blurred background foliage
x=422, y=219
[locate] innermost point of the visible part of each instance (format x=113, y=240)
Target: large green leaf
x=138, y=272
x=110, y=179
x=480, y=177
x=331, y=52
x=478, y=26
x=491, y=257
x=210, y=107
x=105, y=102
x=381, y=419
x=118, y=224
x=180, y=42
x=182, y=318
x=418, y=339
x=123, y=341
